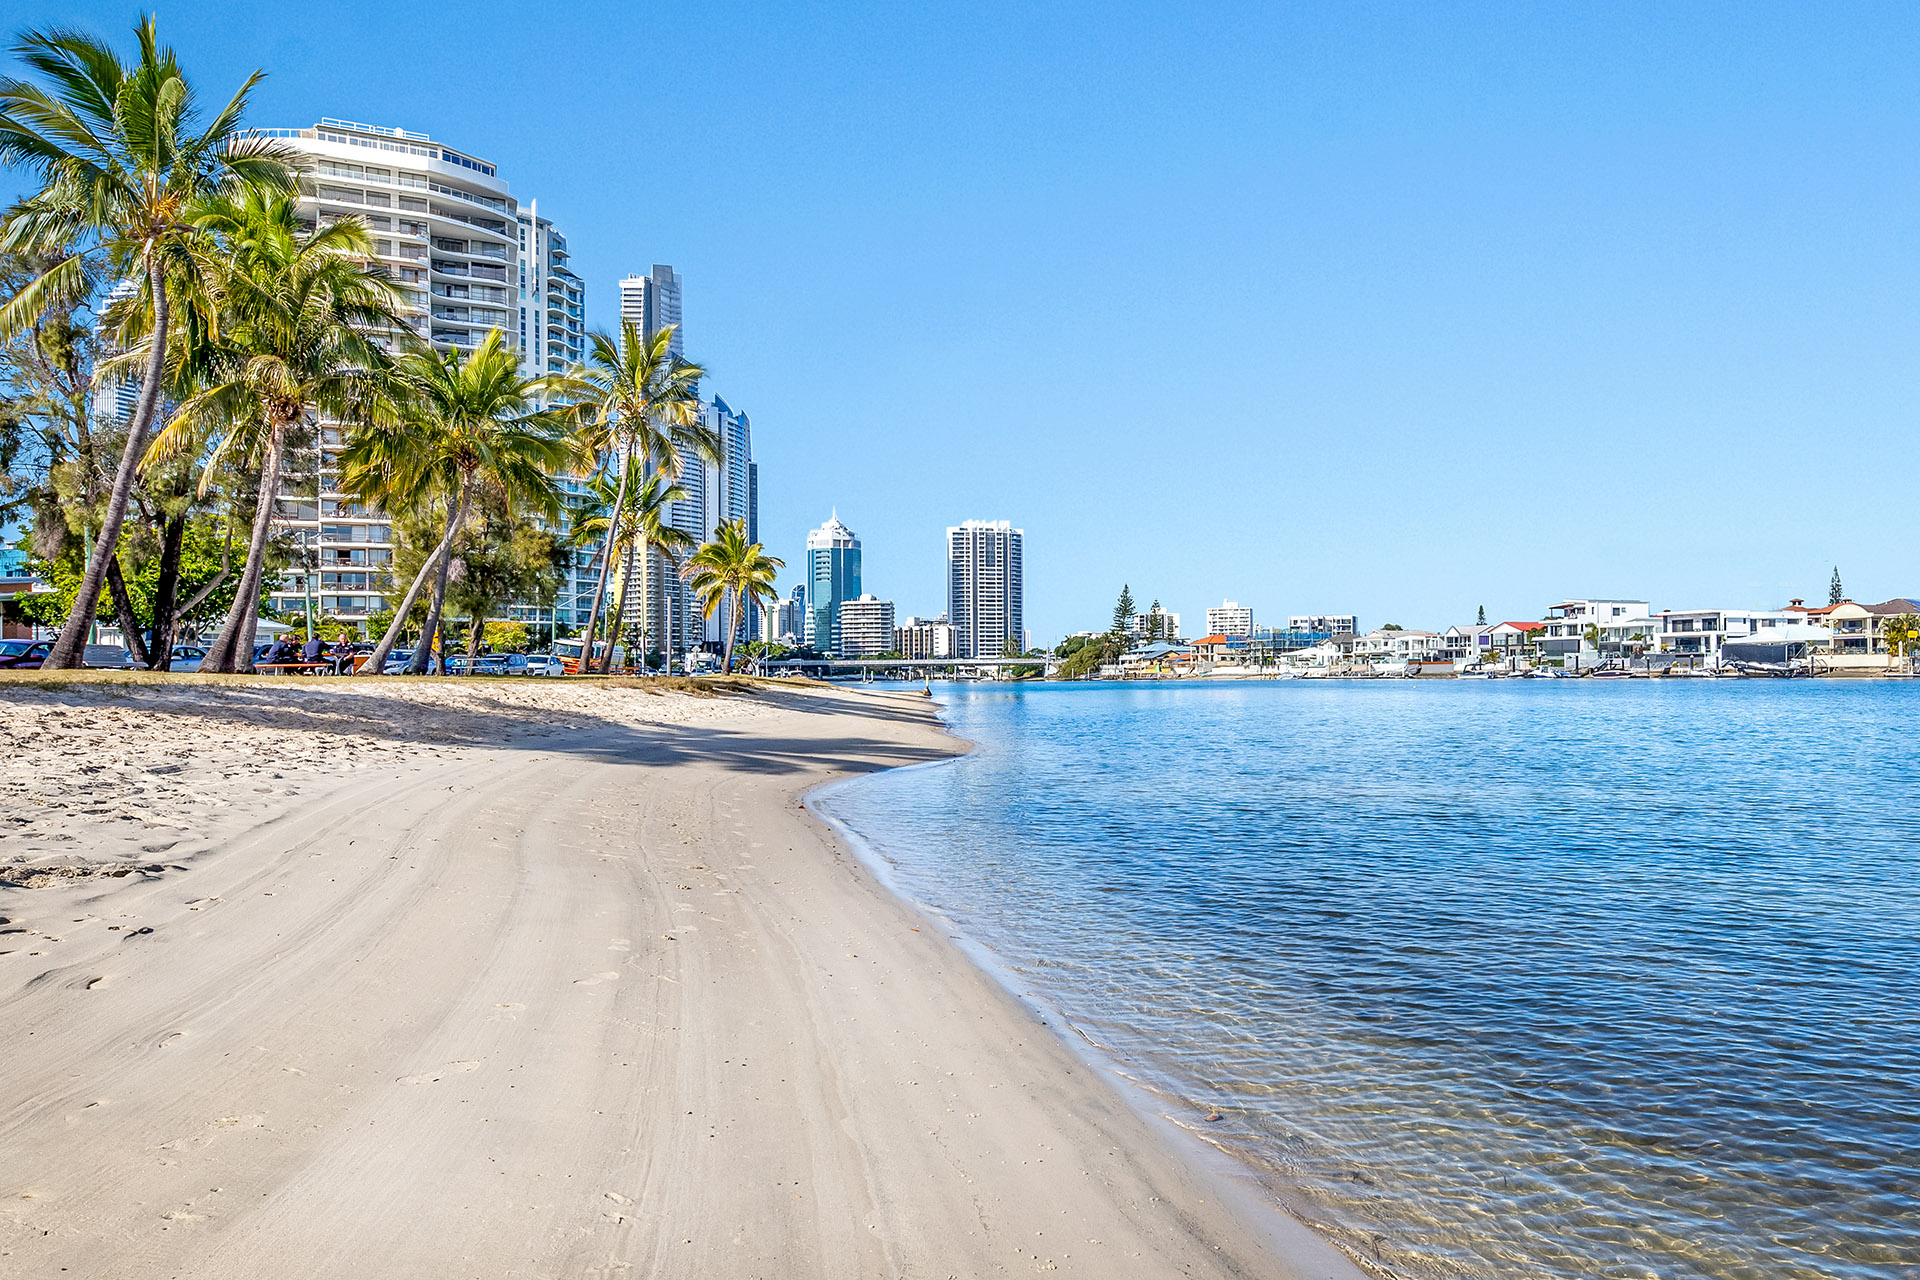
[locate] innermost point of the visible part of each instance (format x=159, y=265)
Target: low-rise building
x=926, y=638
x=1332, y=623
x=865, y=626
x=1397, y=644
x=1567, y=625
x=1857, y=628
x=1219, y=647
x=1509, y=639
x=1702, y=631
x=1462, y=644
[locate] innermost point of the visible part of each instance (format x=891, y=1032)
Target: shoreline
x=1259, y=1203
x=608, y=1002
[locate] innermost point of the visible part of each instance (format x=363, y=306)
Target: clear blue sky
x=1396, y=310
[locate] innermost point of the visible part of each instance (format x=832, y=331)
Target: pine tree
x=1834, y=593
x=1483, y=617
x=1123, y=611
x=1156, y=623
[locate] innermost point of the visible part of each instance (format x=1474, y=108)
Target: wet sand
x=423, y=979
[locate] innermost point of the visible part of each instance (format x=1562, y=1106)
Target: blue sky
x=1395, y=310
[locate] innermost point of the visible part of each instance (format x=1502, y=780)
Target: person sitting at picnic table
x=283, y=652
x=312, y=650
x=343, y=655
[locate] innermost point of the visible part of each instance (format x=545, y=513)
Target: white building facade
x=866, y=626
x=925, y=638
x=1229, y=619
x=986, y=587
x=1332, y=624
x=446, y=227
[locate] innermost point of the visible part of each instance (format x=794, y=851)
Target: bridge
x=913, y=668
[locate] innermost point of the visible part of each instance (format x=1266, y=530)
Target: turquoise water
x=1545, y=978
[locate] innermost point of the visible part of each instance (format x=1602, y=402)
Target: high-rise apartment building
x=553, y=300
x=866, y=627
x=985, y=592
x=651, y=303
x=1229, y=619
x=833, y=578
x=784, y=621
x=455, y=241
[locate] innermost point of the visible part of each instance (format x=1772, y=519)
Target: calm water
x=1543, y=978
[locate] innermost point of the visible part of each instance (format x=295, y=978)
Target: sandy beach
x=519, y=979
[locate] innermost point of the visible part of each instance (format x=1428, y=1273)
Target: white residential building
x=447, y=228
x=1169, y=625
x=985, y=587
x=1567, y=622
x=925, y=638
x=1332, y=624
x=866, y=626
x=553, y=300
x=1702, y=631
x=1229, y=619
x=651, y=303
x=784, y=621
x=1398, y=645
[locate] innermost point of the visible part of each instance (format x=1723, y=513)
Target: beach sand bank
x=515, y=979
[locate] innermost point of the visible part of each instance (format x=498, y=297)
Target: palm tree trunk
x=69, y=650
x=166, y=590
x=730, y=599
x=620, y=622
x=606, y=563
x=433, y=645
x=232, y=648
x=378, y=658
x=123, y=610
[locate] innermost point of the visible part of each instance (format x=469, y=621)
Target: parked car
x=544, y=664
x=397, y=661
x=186, y=657
x=24, y=655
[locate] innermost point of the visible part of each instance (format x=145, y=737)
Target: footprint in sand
x=596, y=979
x=434, y=1077
x=620, y=944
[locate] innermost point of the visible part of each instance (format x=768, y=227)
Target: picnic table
x=326, y=667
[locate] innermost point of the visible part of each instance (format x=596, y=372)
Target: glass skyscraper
x=833, y=577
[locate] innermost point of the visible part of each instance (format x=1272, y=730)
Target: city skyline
x=1438, y=267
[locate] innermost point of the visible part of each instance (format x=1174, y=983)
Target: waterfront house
x=1218, y=647
x=1463, y=644
x=1565, y=632
x=1702, y=631
x=1857, y=630
x=1508, y=639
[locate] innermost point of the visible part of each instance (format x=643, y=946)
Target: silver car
x=186, y=657
x=544, y=664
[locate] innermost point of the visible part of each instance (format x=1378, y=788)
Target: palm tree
x=630, y=517
x=123, y=164
x=466, y=425
x=296, y=308
x=733, y=572
x=635, y=399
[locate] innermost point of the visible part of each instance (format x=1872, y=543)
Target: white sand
x=524, y=980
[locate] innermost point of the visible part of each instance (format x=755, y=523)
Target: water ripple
x=1554, y=979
